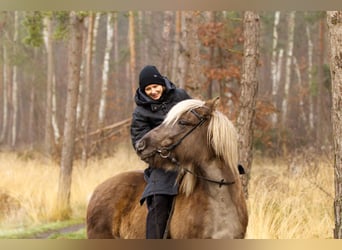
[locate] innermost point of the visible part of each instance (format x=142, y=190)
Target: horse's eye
x=183, y=123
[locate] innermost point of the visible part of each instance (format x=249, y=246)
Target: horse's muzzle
x=140, y=146
x=143, y=153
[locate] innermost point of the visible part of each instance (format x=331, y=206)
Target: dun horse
x=201, y=143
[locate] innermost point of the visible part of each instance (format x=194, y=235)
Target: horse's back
x=114, y=206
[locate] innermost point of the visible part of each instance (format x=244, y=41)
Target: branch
x=104, y=129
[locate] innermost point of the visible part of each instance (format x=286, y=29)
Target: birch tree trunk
x=275, y=83
x=310, y=77
x=105, y=72
x=4, y=96
x=15, y=102
x=287, y=84
x=249, y=88
x=279, y=67
x=96, y=31
x=74, y=56
x=55, y=127
x=116, y=50
x=334, y=20
x=79, y=109
x=88, y=77
x=288, y=69
x=48, y=108
x=3, y=89
x=300, y=89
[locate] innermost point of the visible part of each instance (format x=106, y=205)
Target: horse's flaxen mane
x=180, y=108
x=222, y=135
x=224, y=139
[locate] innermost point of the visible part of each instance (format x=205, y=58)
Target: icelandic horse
x=201, y=143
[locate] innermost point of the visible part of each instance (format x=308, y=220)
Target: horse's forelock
x=180, y=108
x=224, y=139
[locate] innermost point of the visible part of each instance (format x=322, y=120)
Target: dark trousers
x=159, y=207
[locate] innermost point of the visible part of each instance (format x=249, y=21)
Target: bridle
x=165, y=152
x=168, y=149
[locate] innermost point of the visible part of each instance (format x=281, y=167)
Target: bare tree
x=310, y=76
x=210, y=18
x=95, y=46
x=143, y=29
x=166, y=37
x=30, y=124
x=105, y=72
x=249, y=87
x=334, y=20
x=131, y=41
x=75, y=55
x=321, y=118
x=302, y=114
x=288, y=69
x=50, y=66
x=88, y=77
x=188, y=73
x=274, y=68
x=15, y=101
x=182, y=54
x=176, y=47
x=4, y=95
x=116, y=48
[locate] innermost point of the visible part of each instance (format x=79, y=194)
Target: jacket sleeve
x=139, y=127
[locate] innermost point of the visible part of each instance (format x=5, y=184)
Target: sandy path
x=65, y=230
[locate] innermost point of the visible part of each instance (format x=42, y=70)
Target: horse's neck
x=217, y=170
x=214, y=169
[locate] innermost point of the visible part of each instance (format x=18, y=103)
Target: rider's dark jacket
x=147, y=115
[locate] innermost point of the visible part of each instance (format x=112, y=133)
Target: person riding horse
x=154, y=98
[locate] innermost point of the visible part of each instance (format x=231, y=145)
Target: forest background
x=200, y=51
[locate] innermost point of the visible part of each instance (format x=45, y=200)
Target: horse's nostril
x=141, y=145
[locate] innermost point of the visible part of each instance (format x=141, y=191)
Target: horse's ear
x=212, y=103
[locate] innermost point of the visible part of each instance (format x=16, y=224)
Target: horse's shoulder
x=126, y=176
x=129, y=181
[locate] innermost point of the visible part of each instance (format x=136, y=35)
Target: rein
x=220, y=183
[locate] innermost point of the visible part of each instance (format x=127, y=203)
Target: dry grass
x=33, y=184
x=283, y=204
x=287, y=204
